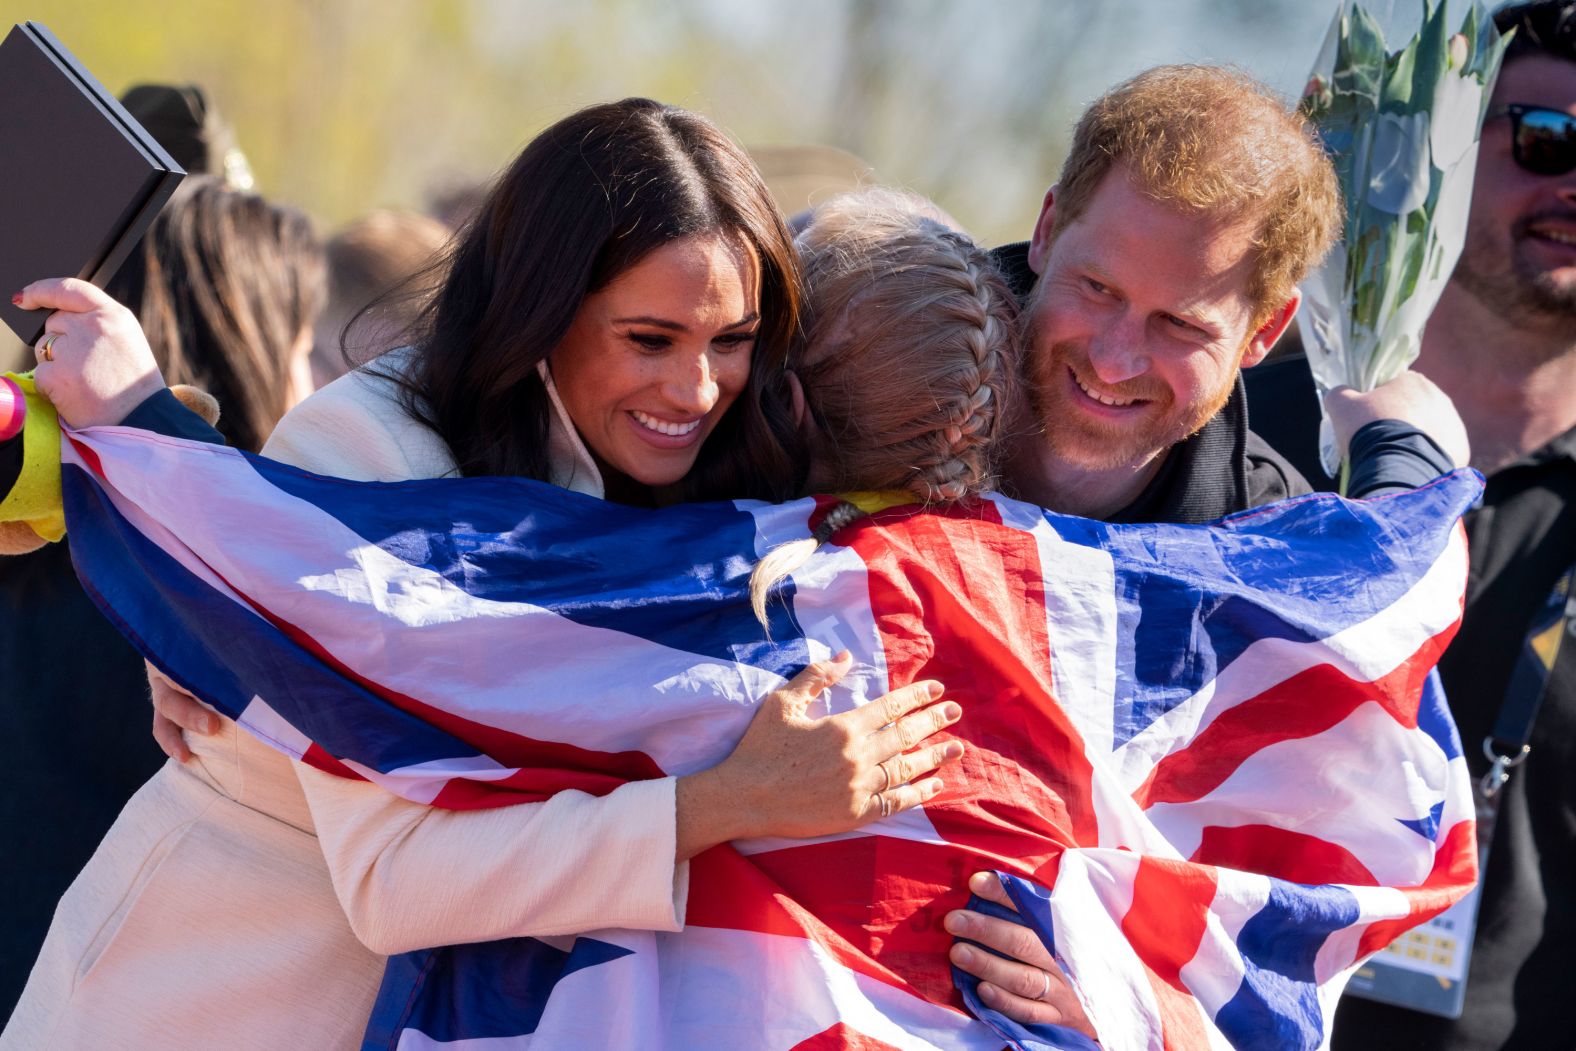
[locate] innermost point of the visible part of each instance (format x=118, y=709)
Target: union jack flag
x=1209, y=759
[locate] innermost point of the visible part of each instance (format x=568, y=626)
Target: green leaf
x=1432, y=50
x=1416, y=249
x=1397, y=97
x=1368, y=282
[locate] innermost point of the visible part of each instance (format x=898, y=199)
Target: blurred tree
x=355, y=104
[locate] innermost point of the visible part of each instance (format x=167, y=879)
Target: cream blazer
x=245, y=901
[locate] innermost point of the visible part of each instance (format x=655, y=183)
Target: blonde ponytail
x=786, y=557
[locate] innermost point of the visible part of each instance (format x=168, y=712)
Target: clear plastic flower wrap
x=1402, y=128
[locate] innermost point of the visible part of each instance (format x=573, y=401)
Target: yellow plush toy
x=30, y=513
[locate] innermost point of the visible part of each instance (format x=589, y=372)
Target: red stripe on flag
x=729, y=892
x=561, y=765
x=475, y=793
x=316, y=757
x=1164, y=925
x=88, y=455
x=889, y=897
x=1305, y=705
x=1453, y=874
x=842, y=1038
x=936, y=591
x=1281, y=853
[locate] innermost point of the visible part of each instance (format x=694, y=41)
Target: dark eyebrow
x=656, y=322
x=674, y=326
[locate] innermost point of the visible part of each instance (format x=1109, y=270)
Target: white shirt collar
x=569, y=462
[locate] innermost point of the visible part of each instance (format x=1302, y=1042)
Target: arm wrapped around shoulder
x=30, y=502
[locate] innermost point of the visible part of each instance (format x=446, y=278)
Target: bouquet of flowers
x=1402, y=128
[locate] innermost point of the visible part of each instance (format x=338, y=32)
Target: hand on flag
x=796, y=776
x=1025, y=983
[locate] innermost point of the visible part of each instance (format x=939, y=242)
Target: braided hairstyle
x=908, y=358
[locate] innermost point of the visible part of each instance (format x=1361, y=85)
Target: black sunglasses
x=1542, y=140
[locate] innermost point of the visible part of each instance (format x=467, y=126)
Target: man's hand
x=1029, y=988
x=175, y=710
x=1412, y=398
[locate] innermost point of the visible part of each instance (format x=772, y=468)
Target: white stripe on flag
x=1094, y=889
x=1365, y=651
x=417, y=633
x=1327, y=799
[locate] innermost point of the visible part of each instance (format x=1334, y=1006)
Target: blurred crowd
x=242, y=297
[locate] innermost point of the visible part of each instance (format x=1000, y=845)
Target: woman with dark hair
x=597, y=194
x=616, y=320
x=227, y=286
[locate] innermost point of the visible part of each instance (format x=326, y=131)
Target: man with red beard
x=1164, y=260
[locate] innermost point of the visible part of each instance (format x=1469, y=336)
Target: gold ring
x=1047, y=990
x=46, y=350
x=886, y=778
x=886, y=804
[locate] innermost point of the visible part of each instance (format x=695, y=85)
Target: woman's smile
x=654, y=360
x=666, y=432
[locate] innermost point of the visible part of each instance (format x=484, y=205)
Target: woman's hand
x=1028, y=988
x=797, y=776
x=1411, y=398
x=175, y=710
x=94, y=363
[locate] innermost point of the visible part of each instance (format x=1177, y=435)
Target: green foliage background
x=343, y=105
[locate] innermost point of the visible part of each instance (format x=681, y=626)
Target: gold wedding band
x=46, y=350
x=886, y=778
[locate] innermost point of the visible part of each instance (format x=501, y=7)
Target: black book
x=80, y=180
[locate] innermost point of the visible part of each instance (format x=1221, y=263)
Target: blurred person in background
x=227, y=287
x=370, y=264
x=191, y=129
x=1502, y=344
x=455, y=202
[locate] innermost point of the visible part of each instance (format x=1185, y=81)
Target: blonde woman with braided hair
x=907, y=363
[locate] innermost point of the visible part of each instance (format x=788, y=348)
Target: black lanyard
x=1507, y=747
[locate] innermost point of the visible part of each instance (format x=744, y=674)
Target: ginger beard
x=1076, y=431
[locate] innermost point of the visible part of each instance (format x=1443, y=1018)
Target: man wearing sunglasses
x=1502, y=344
